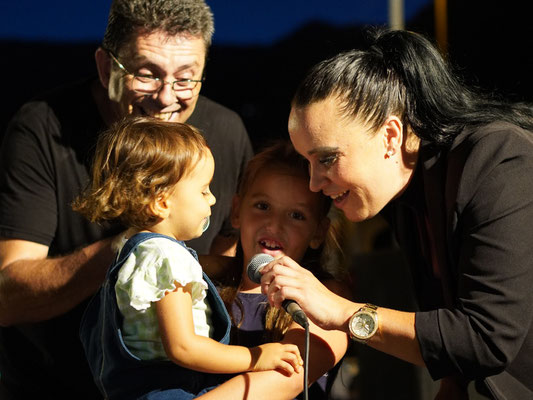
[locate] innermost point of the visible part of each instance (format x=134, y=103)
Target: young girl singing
x=157, y=325
x=278, y=214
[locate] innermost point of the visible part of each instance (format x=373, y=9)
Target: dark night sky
x=488, y=45
x=236, y=21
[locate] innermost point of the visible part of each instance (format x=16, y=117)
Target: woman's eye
x=328, y=160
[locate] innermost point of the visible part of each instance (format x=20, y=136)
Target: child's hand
x=285, y=357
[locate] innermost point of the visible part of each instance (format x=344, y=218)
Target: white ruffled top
x=146, y=276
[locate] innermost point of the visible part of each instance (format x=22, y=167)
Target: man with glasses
x=52, y=260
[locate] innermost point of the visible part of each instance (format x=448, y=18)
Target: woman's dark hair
x=401, y=73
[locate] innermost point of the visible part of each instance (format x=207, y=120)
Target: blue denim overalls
x=121, y=375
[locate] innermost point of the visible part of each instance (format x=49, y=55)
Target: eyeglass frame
x=155, y=79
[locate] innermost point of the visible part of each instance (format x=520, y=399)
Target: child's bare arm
x=203, y=354
x=326, y=349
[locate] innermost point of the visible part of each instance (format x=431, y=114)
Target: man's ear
x=103, y=65
x=320, y=233
x=160, y=207
x=235, y=210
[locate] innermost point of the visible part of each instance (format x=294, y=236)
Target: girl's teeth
x=270, y=245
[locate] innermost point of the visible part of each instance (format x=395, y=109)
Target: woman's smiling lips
x=338, y=198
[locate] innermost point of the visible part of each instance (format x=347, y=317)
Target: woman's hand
x=283, y=357
x=284, y=279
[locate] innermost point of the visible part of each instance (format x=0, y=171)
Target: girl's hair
x=401, y=73
x=279, y=157
x=136, y=161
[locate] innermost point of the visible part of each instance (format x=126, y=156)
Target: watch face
x=363, y=325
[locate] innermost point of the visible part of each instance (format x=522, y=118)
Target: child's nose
x=275, y=223
x=212, y=199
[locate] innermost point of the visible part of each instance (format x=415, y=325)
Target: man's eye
x=146, y=74
x=145, y=78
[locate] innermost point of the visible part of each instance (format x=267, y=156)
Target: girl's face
x=279, y=215
x=188, y=206
x=360, y=170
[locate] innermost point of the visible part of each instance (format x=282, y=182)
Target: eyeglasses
x=149, y=85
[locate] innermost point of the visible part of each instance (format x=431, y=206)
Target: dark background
x=258, y=57
x=256, y=73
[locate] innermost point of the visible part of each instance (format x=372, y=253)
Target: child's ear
x=235, y=210
x=160, y=207
x=320, y=233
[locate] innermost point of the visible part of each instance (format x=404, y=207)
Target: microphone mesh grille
x=256, y=264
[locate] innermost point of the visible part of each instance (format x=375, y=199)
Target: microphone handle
x=296, y=312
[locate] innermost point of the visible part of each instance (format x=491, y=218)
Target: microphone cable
x=254, y=268
x=306, y=361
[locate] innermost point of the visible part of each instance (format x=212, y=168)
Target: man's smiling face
x=168, y=58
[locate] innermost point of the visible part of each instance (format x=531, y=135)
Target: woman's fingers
x=285, y=279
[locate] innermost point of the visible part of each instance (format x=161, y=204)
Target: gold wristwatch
x=364, y=323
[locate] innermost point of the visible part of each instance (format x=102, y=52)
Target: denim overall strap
x=222, y=328
x=221, y=319
x=118, y=373
x=131, y=244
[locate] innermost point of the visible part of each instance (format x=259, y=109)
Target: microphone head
x=256, y=264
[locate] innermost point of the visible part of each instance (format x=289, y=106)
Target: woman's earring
x=390, y=153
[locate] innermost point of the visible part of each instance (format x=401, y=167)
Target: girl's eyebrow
x=258, y=194
x=297, y=206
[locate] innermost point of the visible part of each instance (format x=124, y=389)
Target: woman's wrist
x=349, y=309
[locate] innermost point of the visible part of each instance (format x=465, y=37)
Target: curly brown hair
x=138, y=160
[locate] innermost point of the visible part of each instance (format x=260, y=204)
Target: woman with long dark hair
x=389, y=129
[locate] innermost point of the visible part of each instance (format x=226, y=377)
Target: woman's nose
x=316, y=180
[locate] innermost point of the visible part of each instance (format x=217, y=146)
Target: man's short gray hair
x=127, y=18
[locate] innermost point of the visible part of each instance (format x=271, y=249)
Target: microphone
x=255, y=266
